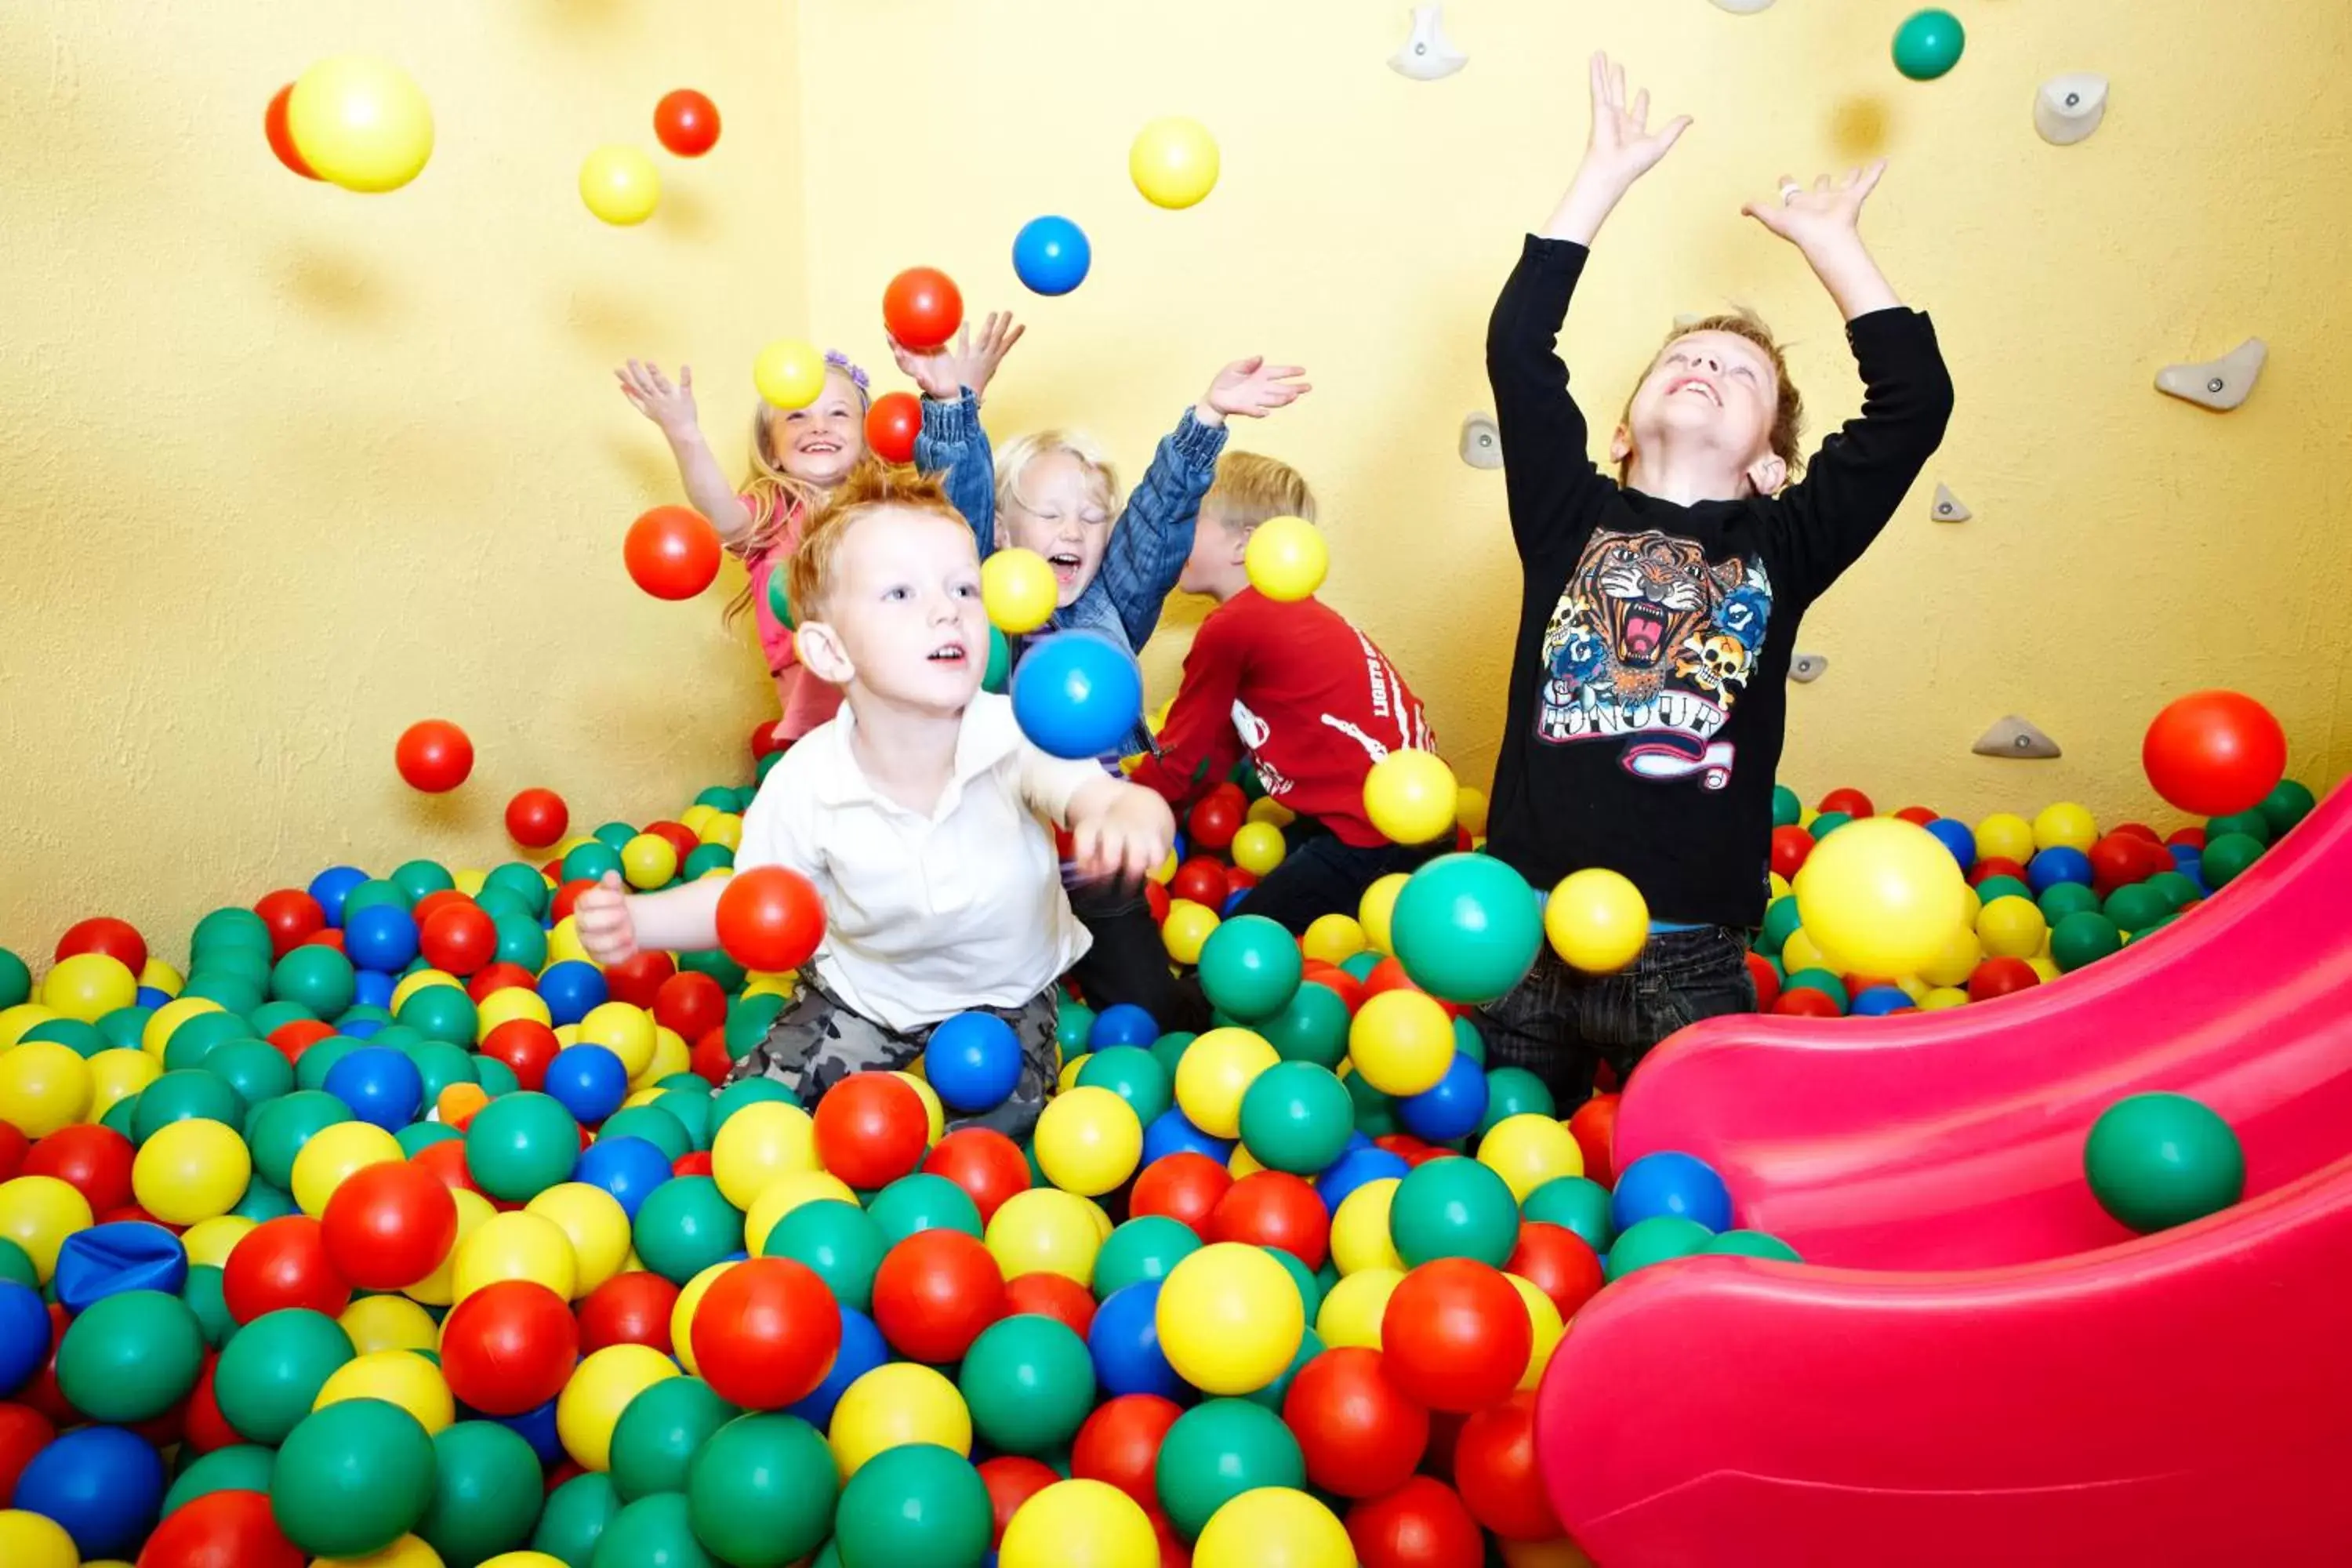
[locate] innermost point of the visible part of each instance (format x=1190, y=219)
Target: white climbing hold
x=2016, y=737
x=2219, y=384
x=1743, y=8
x=2070, y=107
x=1949, y=508
x=1427, y=55
x=1482, y=442
x=1806, y=667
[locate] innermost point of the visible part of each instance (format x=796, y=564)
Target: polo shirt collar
x=987, y=735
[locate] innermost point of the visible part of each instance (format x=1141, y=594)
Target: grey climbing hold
x=1743, y=8
x=2016, y=737
x=1949, y=508
x=1427, y=54
x=1482, y=442
x=1806, y=667
x=2070, y=107
x=2219, y=384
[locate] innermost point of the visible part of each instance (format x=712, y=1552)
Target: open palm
x=1830, y=209
x=1622, y=143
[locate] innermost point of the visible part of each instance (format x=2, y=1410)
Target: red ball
x=985, y=1162
x=769, y=920
x=690, y=1004
x=389, y=1225
x=1494, y=1468
x=766, y=742
x=445, y=1162
x=1422, y=1524
x=1593, y=1125
x=206, y=1427
x=94, y=1161
x=2140, y=830
x=1186, y=1186
x=1156, y=899
x=892, y=425
x=672, y=553
x=1791, y=845
x=1274, y=1208
x=1202, y=880
x=526, y=1046
x=459, y=938
x=280, y=134
x=767, y=1331
x=14, y=1147
x=1994, y=865
x=293, y=917
x=509, y=1347
x=41, y=1391
x=935, y=1293
x=1996, y=977
x=536, y=818
x=2214, y=753
x=119, y=939
x=638, y=978
x=1120, y=1444
x=2193, y=836
x=1807, y=1003
x=1455, y=1335
x=922, y=308
x=281, y=1263
x=1558, y=1262
x=493, y=977
x=1012, y=1480
x=1217, y=817
x=331, y=937
x=1852, y=802
x=693, y=1163
x=1767, y=981
x=1916, y=814
x=221, y=1530
x=709, y=1057
x=1361, y=1433
x=685, y=123
x=23, y=1432
x=870, y=1129
x=1055, y=1296
x=678, y=836
x=632, y=1309
x=2117, y=859
x=434, y=756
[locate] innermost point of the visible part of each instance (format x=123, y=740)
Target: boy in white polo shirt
x=915, y=811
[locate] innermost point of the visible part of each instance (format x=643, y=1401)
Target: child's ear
x=822, y=651
x=1620, y=446
x=1240, y=538
x=1768, y=474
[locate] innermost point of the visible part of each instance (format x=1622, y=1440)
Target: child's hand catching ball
x=600, y=917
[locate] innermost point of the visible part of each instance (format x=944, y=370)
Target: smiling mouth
x=1065, y=565
x=948, y=653
x=1694, y=385
x=825, y=447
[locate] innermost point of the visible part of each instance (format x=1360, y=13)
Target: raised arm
x=952, y=443
x=670, y=406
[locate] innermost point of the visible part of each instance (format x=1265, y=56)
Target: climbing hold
x=1806, y=667
x=2219, y=384
x=2016, y=737
x=1950, y=508
x=1481, y=444
x=2070, y=107
x=1743, y=8
x=1427, y=55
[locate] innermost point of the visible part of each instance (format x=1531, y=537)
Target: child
x=1305, y=693
x=1057, y=495
x=798, y=456
x=1648, y=686
x=914, y=811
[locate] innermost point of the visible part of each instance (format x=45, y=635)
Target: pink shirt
x=806, y=701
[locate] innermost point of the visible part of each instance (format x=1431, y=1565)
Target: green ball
x=197, y=1038
x=523, y=881
x=746, y=1091
x=591, y=862
x=352, y=1478
x=234, y=992
x=1311, y=1027
x=1219, y=1449
x=521, y=941
x=1454, y=1208
x=1310, y=1345
x=1250, y=967
x=16, y=1266
x=917, y=1503
x=1467, y=928
x=2178, y=890
x=659, y=1433
x=718, y=797
x=83, y=1039
x=441, y=1065
x=1780, y=921
x=370, y=893
x=130, y=1356
x=118, y=1115
x=714, y=963
x=1296, y=1117
x=575, y=1518
x=2286, y=804
x=1073, y=1022
x=1359, y=966
x=232, y=927
x=418, y=878
x=1787, y=809
x=1514, y=1092
x=263, y=1201
x=652, y=1123
x=441, y=1012
x=1573, y=1203
x=1145, y=1249
x=191, y=1094
x=1000, y=661
x=654, y=1531
x=923, y=1202
x=1994, y=887
x=519, y=1146
x=15, y=980
x=2253, y=824
x=1029, y=1382
x=1823, y=980
x=1752, y=1244
x=419, y=1136
x=1929, y=44
x=1375, y=1111
x=692, y=1109
x=684, y=1226
x=240, y=1467
x=125, y=1028
x=319, y=978
x=1135, y=1074
x=1469, y=1042
x=281, y=1126
x=485, y=1492
x=272, y=1017
x=2062, y=898
x=257, y=1070
x=2160, y=1160
x=1827, y=823
x=1169, y=1050
x=203, y=1293
x=1654, y=1240
x=748, y=1021
x=839, y=1240
x=705, y=859
x=2083, y=937
x=614, y=834
x=496, y=1078
x=271, y=1371
x=762, y=1492
x=1311, y=1284
x=2226, y=858
x=2137, y=906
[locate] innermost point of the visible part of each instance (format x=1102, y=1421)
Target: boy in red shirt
x=1301, y=691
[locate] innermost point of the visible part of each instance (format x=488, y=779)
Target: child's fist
x=600, y=917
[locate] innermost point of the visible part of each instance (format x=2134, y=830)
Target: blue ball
x=149, y=998
x=1452, y=1107
x=103, y=1484
x=1879, y=1001
x=573, y=989
x=380, y=936
x=381, y=1085
x=1122, y=1023
x=1353, y=1169
x=1234, y=901
x=862, y=1350
x=1669, y=1183
x=2055, y=865
x=536, y=1427
x=23, y=1333
x=372, y=988
x=1124, y=1339
x=1077, y=694
x=1958, y=838
x=1172, y=1132
x=587, y=1080
x=124, y=1255
x=628, y=1168
x=1050, y=256
x=332, y=886
x=973, y=1061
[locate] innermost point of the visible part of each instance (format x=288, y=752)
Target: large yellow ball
x=1411, y=797
x=1018, y=589
x=2065, y=825
x=1258, y=847
x=1597, y=920
x=1079, y=1524
x=1529, y=1150
x=788, y=373
x=2012, y=927
x=620, y=186
x=1173, y=162
x=1273, y=1527
x=1088, y=1142
x=44, y=1086
x=1230, y=1317
x=1287, y=559
x=38, y=1213
x=362, y=124
x=784, y=1193
x=90, y=985
x=35, y=1541
x=1352, y=1309
x=1374, y=909
x=1360, y=1238
x=600, y=1389
x=1044, y=1231
x=1187, y=930
x=1215, y=1071
x=893, y=1406
x=1402, y=1041
x=191, y=1171
x=1881, y=896
x=334, y=1153
x=518, y=1245
x=397, y=1377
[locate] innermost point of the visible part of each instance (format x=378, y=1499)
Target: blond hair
x=1250, y=488
x=1788, y=413
x=1014, y=460
x=873, y=486
x=776, y=498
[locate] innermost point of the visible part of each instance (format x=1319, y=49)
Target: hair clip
x=841, y=361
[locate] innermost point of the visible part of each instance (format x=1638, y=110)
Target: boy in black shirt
x=1658, y=611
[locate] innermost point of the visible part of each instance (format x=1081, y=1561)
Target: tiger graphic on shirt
x=1653, y=641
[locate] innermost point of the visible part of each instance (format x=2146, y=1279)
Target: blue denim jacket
x=1149, y=541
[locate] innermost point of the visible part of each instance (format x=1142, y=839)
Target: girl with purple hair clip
x=798, y=457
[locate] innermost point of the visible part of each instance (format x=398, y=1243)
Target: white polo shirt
x=928, y=916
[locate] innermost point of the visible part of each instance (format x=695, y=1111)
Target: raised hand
x=652, y=394
x=944, y=372
x=1252, y=389
x=600, y=917
x=1830, y=212
x=1624, y=147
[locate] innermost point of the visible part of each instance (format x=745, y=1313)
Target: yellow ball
x=38, y=1213
x=2012, y=927
x=1165, y=872
x=1360, y=1238
x=648, y=861
x=1067, y=1078
x=1374, y=909
x=671, y=1056
x=334, y=1153
x=770, y=984
x=1470, y=811
x=1018, y=589
x=1230, y=1317
x=1410, y=797
x=783, y=1194
x=564, y=944
x=934, y=1113
x=1215, y=1071
x=411, y=985
x=90, y=985
x=209, y=1242
x=1799, y=952
x=2003, y=835
x=190, y=1171
x=1273, y=1527
x=45, y=1086
x=1242, y=1162
x=726, y=829
x=1044, y=1231
x=439, y=1287
x=524, y=1560
x=1352, y=1309
x=697, y=817
x=681, y=1314
x=2065, y=825
x=1776, y=885
x=1186, y=930
x=1942, y=997
x=389, y=1323
x=471, y=880
x=1544, y=1317
x=789, y=373
x=1258, y=847
x=362, y=124
x=1270, y=811
x=893, y=1406
x=1529, y=1150
x=1173, y=162
x=1088, y=1140
x=161, y=976
x=117, y=1075
x=1079, y=1524
x=760, y=1142
x=1402, y=1041
x=625, y=1030
x=1881, y=896
x=1287, y=559
x=2043, y=965
x=620, y=186
x=517, y=1244
x=1597, y=920
x=600, y=1389
x=35, y=1541
x=1953, y=962
x=14, y=1021
x=408, y=1551
x=1333, y=938
x=396, y=1377
x=168, y=1018
x=504, y=1007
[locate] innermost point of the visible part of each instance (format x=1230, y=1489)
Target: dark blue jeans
x=1559, y=1024
x=1320, y=876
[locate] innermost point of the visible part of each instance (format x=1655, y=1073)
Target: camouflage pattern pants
x=817, y=1041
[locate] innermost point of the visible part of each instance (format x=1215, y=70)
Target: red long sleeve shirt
x=1305, y=693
